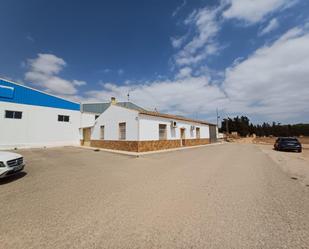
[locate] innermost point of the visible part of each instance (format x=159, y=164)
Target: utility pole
x=217, y=118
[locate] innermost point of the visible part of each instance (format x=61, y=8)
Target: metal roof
x=15, y=93
x=130, y=105
x=94, y=107
x=101, y=107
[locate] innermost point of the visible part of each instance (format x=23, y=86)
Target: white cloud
x=274, y=80
x=254, y=11
x=206, y=25
x=182, y=96
x=79, y=82
x=47, y=64
x=272, y=84
x=43, y=72
x=271, y=26
x=177, y=42
x=184, y=73
x=176, y=11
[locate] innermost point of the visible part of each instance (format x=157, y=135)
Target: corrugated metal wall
x=94, y=107
x=101, y=107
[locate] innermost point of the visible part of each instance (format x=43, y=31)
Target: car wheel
x=299, y=151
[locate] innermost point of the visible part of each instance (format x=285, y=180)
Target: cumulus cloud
x=182, y=96
x=272, y=25
x=184, y=73
x=271, y=83
x=254, y=11
x=43, y=72
x=274, y=80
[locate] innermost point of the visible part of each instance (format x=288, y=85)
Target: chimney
x=113, y=100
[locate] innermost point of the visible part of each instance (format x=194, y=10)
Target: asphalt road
x=222, y=196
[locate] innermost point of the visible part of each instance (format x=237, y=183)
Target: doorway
x=213, y=133
x=87, y=136
x=183, y=136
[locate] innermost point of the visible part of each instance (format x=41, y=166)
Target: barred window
x=162, y=132
x=122, y=131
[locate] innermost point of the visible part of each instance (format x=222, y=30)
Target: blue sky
x=184, y=57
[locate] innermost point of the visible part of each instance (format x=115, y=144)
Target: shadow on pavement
x=12, y=178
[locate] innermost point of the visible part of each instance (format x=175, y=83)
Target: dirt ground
x=221, y=196
x=296, y=165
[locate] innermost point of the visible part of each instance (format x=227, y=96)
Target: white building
x=31, y=118
x=135, y=129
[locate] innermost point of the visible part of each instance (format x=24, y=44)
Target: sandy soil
x=225, y=196
x=296, y=165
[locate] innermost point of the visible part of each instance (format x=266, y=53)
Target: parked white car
x=10, y=163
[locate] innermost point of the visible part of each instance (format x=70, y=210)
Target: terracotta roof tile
x=163, y=115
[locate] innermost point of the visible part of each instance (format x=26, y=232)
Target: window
x=102, y=132
x=13, y=114
x=96, y=116
x=63, y=118
x=122, y=131
x=198, y=133
x=162, y=132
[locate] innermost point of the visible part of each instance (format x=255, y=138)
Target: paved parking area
x=224, y=196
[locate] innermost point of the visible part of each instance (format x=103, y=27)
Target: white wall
x=111, y=118
x=87, y=119
x=38, y=127
x=149, y=128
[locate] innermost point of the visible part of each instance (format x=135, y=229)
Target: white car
x=10, y=163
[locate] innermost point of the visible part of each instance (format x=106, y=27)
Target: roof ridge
x=173, y=116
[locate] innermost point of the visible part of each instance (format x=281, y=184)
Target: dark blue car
x=288, y=144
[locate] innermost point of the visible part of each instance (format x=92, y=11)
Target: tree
x=243, y=127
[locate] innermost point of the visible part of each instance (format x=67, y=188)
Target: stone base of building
x=144, y=146
x=115, y=145
x=194, y=142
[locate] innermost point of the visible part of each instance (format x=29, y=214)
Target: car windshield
x=289, y=140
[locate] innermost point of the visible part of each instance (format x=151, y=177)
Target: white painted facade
x=38, y=127
x=140, y=127
x=111, y=118
x=149, y=128
x=87, y=120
